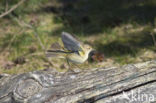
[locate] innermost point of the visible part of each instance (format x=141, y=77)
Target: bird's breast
x=75, y=58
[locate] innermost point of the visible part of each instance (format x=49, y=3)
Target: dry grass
x=122, y=41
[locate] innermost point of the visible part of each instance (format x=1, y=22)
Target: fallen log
x=132, y=83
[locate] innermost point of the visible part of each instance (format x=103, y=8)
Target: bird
x=73, y=51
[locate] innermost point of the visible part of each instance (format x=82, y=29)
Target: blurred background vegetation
x=123, y=30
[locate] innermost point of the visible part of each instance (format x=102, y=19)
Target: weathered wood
x=133, y=83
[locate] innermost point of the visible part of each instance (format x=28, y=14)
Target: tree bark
x=133, y=83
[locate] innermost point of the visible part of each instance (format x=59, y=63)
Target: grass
x=121, y=30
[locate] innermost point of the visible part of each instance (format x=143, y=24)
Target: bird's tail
x=56, y=53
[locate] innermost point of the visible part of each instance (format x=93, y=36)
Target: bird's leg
x=77, y=66
x=69, y=66
x=86, y=64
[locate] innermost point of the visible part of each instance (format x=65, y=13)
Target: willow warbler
x=73, y=51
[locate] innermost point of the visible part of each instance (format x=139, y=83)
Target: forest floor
x=123, y=31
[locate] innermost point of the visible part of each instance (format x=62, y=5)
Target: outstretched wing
x=70, y=43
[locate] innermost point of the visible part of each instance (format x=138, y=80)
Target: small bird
x=73, y=51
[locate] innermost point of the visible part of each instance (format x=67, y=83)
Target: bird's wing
x=70, y=43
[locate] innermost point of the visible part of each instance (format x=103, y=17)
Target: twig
x=11, y=9
x=23, y=24
x=39, y=39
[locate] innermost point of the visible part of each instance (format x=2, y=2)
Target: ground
x=124, y=31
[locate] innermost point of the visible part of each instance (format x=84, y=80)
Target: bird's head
x=87, y=48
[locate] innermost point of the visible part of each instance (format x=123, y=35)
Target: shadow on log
x=133, y=83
